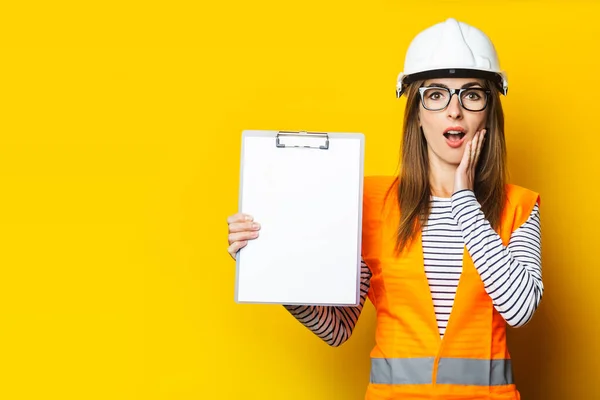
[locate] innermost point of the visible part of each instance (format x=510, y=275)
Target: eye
x=472, y=95
x=434, y=94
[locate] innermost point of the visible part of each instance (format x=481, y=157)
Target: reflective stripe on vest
x=456, y=371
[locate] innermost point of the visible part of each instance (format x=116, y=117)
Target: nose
x=454, y=109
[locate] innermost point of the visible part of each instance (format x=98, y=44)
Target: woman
x=451, y=251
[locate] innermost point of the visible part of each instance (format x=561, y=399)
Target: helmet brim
x=495, y=77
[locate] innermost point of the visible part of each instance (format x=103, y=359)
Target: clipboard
x=306, y=191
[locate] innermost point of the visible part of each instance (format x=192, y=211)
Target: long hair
x=412, y=182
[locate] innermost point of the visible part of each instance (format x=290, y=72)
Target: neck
x=441, y=177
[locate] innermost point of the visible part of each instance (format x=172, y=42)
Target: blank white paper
x=309, y=204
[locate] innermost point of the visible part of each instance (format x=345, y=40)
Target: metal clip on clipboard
x=302, y=134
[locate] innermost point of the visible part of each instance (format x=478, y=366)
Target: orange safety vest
x=410, y=361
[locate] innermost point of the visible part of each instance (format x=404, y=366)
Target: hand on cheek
x=465, y=173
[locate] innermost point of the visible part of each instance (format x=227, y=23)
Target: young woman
x=451, y=251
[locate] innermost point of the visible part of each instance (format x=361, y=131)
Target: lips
x=455, y=136
x=455, y=131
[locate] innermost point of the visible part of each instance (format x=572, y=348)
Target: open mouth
x=454, y=135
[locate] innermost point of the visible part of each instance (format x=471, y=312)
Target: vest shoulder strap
x=522, y=200
x=519, y=204
x=378, y=189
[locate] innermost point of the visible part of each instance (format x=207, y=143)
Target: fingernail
x=256, y=225
x=248, y=218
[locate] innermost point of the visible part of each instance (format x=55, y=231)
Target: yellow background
x=119, y=163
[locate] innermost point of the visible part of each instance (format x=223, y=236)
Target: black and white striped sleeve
x=512, y=275
x=333, y=324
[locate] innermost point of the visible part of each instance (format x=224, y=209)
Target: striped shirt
x=511, y=275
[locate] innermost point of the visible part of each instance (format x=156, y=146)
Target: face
x=447, y=131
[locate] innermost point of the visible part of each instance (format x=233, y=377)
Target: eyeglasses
x=438, y=98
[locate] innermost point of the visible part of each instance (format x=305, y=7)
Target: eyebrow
x=466, y=85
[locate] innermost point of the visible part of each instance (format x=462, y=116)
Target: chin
x=453, y=160
x=446, y=155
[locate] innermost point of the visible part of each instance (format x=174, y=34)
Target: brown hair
x=413, y=186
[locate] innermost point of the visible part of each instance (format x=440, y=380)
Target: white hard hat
x=451, y=49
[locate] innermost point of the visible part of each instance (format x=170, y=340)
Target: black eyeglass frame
x=452, y=92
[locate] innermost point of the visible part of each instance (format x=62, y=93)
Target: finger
x=235, y=247
x=474, y=145
x=240, y=236
x=480, y=146
x=243, y=226
x=464, y=162
x=239, y=217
